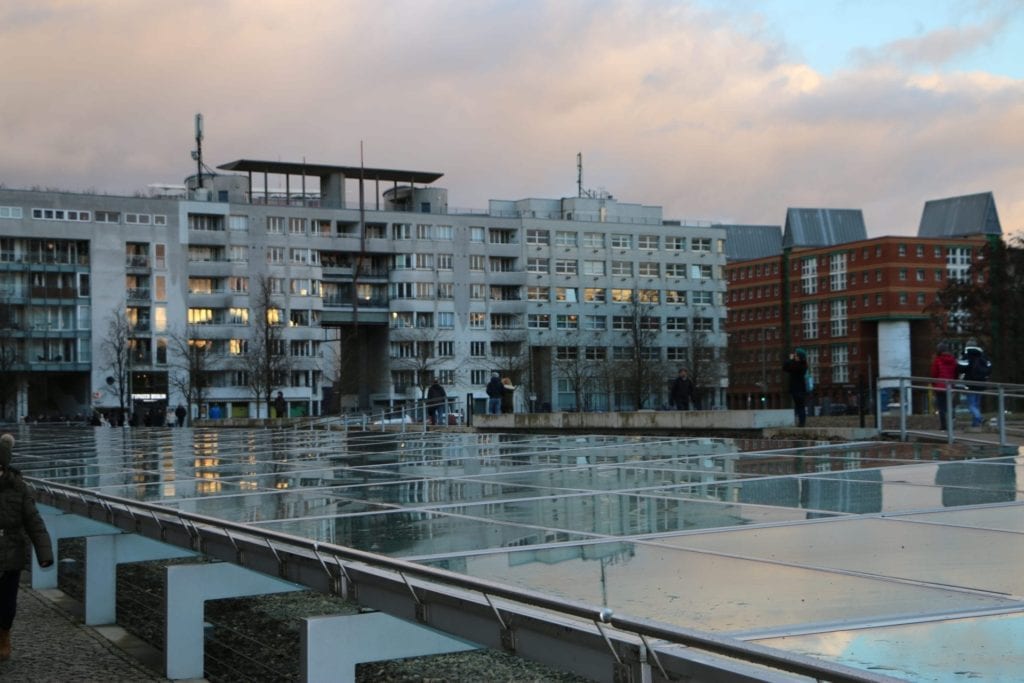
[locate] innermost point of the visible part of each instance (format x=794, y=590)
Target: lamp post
x=533, y=402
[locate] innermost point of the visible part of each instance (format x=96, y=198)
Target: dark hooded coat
x=20, y=521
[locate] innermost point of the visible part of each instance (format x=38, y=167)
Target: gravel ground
x=257, y=639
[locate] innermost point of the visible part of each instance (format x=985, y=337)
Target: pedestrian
x=280, y=405
x=436, y=397
x=796, y=367
x=494, y=393
x=682, y=390
x=944, y=368
x=507, y=396
x=974, y=366
x=20, y=523
x=179, y=414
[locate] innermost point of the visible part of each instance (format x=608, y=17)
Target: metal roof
x=321, y=170
x=972, y=214
x=823, y=227
x=745, y=242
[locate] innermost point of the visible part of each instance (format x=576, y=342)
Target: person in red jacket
x=943, y=368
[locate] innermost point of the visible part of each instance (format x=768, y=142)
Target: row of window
x=599, y=240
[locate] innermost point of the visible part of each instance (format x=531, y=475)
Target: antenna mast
x=199, y=150
x=579, y=174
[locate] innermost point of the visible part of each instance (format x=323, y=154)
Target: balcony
x=137, y=261
x=138, y=293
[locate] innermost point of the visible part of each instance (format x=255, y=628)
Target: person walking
x=944, y=368
x=20, y=523
x=494, y=390
x=179, y=414
x=280, y=405
x=682, y=390
x=974, y=366
x=796, y=367
x=436, y=397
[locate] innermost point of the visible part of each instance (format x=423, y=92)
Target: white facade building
x=561, y=295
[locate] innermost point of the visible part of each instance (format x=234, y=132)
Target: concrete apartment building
x=858, y=306
x=372, y=297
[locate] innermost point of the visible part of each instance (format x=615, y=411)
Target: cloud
x=934, y=48
x=669, y=104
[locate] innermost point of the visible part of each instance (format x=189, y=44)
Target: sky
x=716, y=110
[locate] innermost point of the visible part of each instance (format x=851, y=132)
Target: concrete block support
x=63, y=526
x=332, y=646
x=187, y=588
x=102, y=555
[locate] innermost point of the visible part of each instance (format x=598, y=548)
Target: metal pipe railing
x=202, y=531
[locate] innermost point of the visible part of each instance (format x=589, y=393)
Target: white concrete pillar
x=61, y=526
x=332, y=646
x=188, y=587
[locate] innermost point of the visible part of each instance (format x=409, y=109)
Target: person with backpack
x=495, y=390
x=796, y=367
x=974, y=366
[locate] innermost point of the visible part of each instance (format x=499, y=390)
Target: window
x=275, y=254
x=920, y=275
x=701, y=298
x=566, y=266
x=238, y=223
x=648, y=296
x=275, y=225
x=567, y=294
x=593, y=268
x=538, y=293
x=445, y=349
x=675, y=270
x=701, y=245
x=810, y=321
x=537, y=265
x=539, y=237
x=477, y=262
x=477, y=291
x=567, y=322
x=701, y=272
x=445, y=290
x=159, y=288
x=622, y=323
x=477, y=349
x=650, y=268
x=296, y=226
x=477, y=321
x=479, y=376
x=902, y=250
x=423, y=231
x=595, y=322
x=565, y=239
x=595, y=353
x=205, y=222
x=622, y=353
x=402, y=290
x=704, y=324
x=837, y=272
x=620, y=241
x=443, y=233
x=840, y=363
x=838, y=315
x=445, y=320
x=675, y=296
x=566, y=353
x=676, y=324
x=402, y=319
x=902, y=274
x=424, y=261
x=238, y=284
x=622, y=296
x=594, y=240
x=647, y=242
x=675, y=243
x=594, y=295
x=538, y=321
x=677, y=354
x=476, y=234
x=238, y=253
x=622, y=268
x=425, y=290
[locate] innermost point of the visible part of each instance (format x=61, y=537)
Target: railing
x=955, y=391
x=446, y=600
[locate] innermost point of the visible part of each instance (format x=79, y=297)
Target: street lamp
x=533, y=402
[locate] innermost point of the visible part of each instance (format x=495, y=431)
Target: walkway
x=50, y=644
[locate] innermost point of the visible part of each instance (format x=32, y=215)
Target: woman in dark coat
x=796, y=367
x=20, y=523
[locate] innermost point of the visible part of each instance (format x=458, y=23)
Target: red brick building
x=858, y=306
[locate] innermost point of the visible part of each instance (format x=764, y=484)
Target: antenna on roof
x=579, y=174
x=198, y=153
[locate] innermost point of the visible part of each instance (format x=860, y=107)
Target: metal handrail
x=199, y=532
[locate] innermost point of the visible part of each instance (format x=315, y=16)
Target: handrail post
x=903, y=411
x=1001, y=418
x=949, y=411
x=878, y=406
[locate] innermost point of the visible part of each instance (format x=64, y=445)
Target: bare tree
x=192, y=365
x=707, y=367
x=580, y=373
x=643, y=373
x=510, y=355
x=415, y=349
x=117, y=344
x=267, y=363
